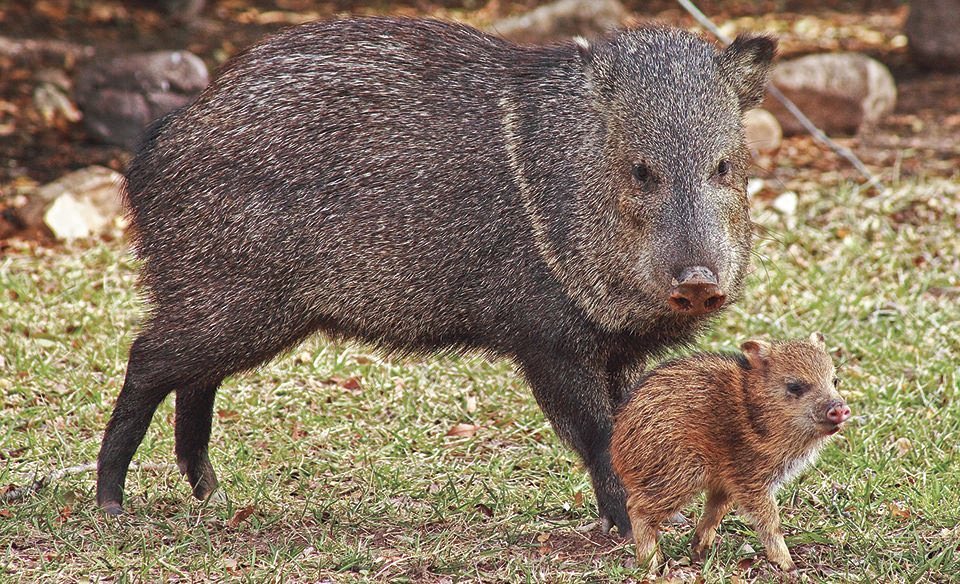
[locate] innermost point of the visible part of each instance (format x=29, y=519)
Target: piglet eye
x=836, y=382
x=724, y=167
x=796, y=388
x=641, y=173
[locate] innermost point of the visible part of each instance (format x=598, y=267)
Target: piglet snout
x=838, y=413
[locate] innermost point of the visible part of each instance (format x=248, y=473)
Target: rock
x=120, y=96
x=786, y=204
x=763, y=131
x=933, y=31
x=84, y=203
x=560, y=20
x=52, y=103
x=839, y=92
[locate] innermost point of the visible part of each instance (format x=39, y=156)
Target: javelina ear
x=746, y=65
x=817, y=340
x=584, y=49
x=757, y=352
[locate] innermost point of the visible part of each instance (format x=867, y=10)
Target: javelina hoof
x=202, y=478
x=112, y=508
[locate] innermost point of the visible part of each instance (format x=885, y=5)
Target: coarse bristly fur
x=424, y=187
x=736, y=427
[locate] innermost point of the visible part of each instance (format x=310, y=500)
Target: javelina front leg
x=145, y=386
x=574, y=398
x=718, y=504
x=194, y=406
x=763, y=512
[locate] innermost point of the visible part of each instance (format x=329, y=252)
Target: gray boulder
x=933, y=29
x=839, y=92
x=120, y=96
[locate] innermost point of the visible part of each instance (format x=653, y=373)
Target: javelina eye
x=641, y=173
x=797, y=388
x=724, y=167
x=836, y=382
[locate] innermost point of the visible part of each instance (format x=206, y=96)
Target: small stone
x=786, y=203
x=746, y=550
x=81, y=204
x=561, y=20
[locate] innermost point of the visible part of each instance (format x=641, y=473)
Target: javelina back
x=735, y=426
x=422, y=186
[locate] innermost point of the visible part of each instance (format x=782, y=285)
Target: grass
x=348, y=483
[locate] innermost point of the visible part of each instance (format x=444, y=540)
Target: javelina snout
x=696, y=292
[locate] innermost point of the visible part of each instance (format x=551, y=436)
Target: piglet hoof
x=112, y=508
x=698, y=554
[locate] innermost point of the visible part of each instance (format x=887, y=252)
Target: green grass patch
x=348, y=483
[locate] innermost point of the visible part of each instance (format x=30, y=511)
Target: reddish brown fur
x=726, y=425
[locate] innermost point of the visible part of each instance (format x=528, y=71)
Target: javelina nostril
x=696, y=292
x=838, y=414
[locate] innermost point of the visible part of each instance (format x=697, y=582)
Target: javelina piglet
x=736, y=427
x=424, y=187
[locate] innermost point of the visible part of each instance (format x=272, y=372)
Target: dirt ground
x=920, y=139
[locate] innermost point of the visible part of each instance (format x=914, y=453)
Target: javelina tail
x=132, y=190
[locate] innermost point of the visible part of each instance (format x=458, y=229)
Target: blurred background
x=80, y=79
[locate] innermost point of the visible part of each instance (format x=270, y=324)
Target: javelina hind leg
x=146, y=384
x=574, y=398
x=194, y=406
x=718, y=504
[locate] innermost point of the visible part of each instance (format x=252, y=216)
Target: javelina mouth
x=829, y=428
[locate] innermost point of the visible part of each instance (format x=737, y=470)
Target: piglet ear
x=817, y=340
x=757, y=353
x=745, y=65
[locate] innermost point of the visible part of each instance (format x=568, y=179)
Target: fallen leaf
x=351, y=384
x=463, y=430
x=543, y=537
x=578, y=498
x=230, y=563
x=745, y=564
x=899, y=510
x=484, y=509
x=65, y=513
x=227, y=414
x=240, y=516
x=5, y=513
x=903, y=446
x=471, y=405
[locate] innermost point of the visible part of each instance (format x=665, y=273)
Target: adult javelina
x=421, y=186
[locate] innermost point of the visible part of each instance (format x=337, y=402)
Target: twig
x=17, y=493
x=808, y=125
x=22, y=48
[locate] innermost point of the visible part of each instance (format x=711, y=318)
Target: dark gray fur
x=423, y=186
